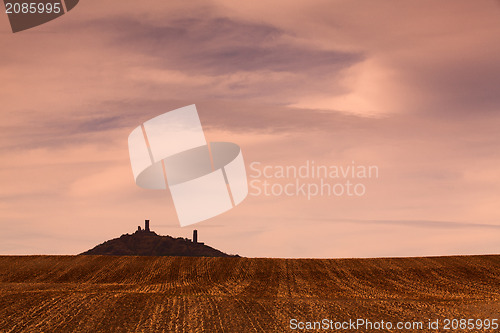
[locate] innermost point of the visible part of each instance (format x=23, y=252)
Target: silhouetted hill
x=148, y=243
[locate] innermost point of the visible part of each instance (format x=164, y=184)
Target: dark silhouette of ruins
x=195, y=237
x=145, y=242
x=146, y=227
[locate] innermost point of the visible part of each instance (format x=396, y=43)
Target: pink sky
x=411, y=87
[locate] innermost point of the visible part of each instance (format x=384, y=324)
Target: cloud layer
x=409, y=87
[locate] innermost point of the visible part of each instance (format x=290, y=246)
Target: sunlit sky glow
x=412, y=87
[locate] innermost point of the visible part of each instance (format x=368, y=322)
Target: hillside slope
x=182, y=294
x=148, y=243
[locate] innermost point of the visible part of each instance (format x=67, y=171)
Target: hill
x=151, y=244
x=147, y=243
x=182, y=294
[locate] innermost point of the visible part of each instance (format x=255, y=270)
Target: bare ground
x=183, y=294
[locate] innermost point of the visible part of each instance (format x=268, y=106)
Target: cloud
x=410, y=87
x=425, y=224
x=219, y=57
x=438, y=58
x=220, y=45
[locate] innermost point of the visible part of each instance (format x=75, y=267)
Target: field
x=183, y=294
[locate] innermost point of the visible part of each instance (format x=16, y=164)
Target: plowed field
x=185, y=294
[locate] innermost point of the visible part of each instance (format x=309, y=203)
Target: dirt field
x=181, y=294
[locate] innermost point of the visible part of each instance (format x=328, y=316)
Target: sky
x=411, y=87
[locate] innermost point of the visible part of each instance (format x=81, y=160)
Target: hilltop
x=145, y=242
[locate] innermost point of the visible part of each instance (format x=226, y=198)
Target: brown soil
x=197, y=294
